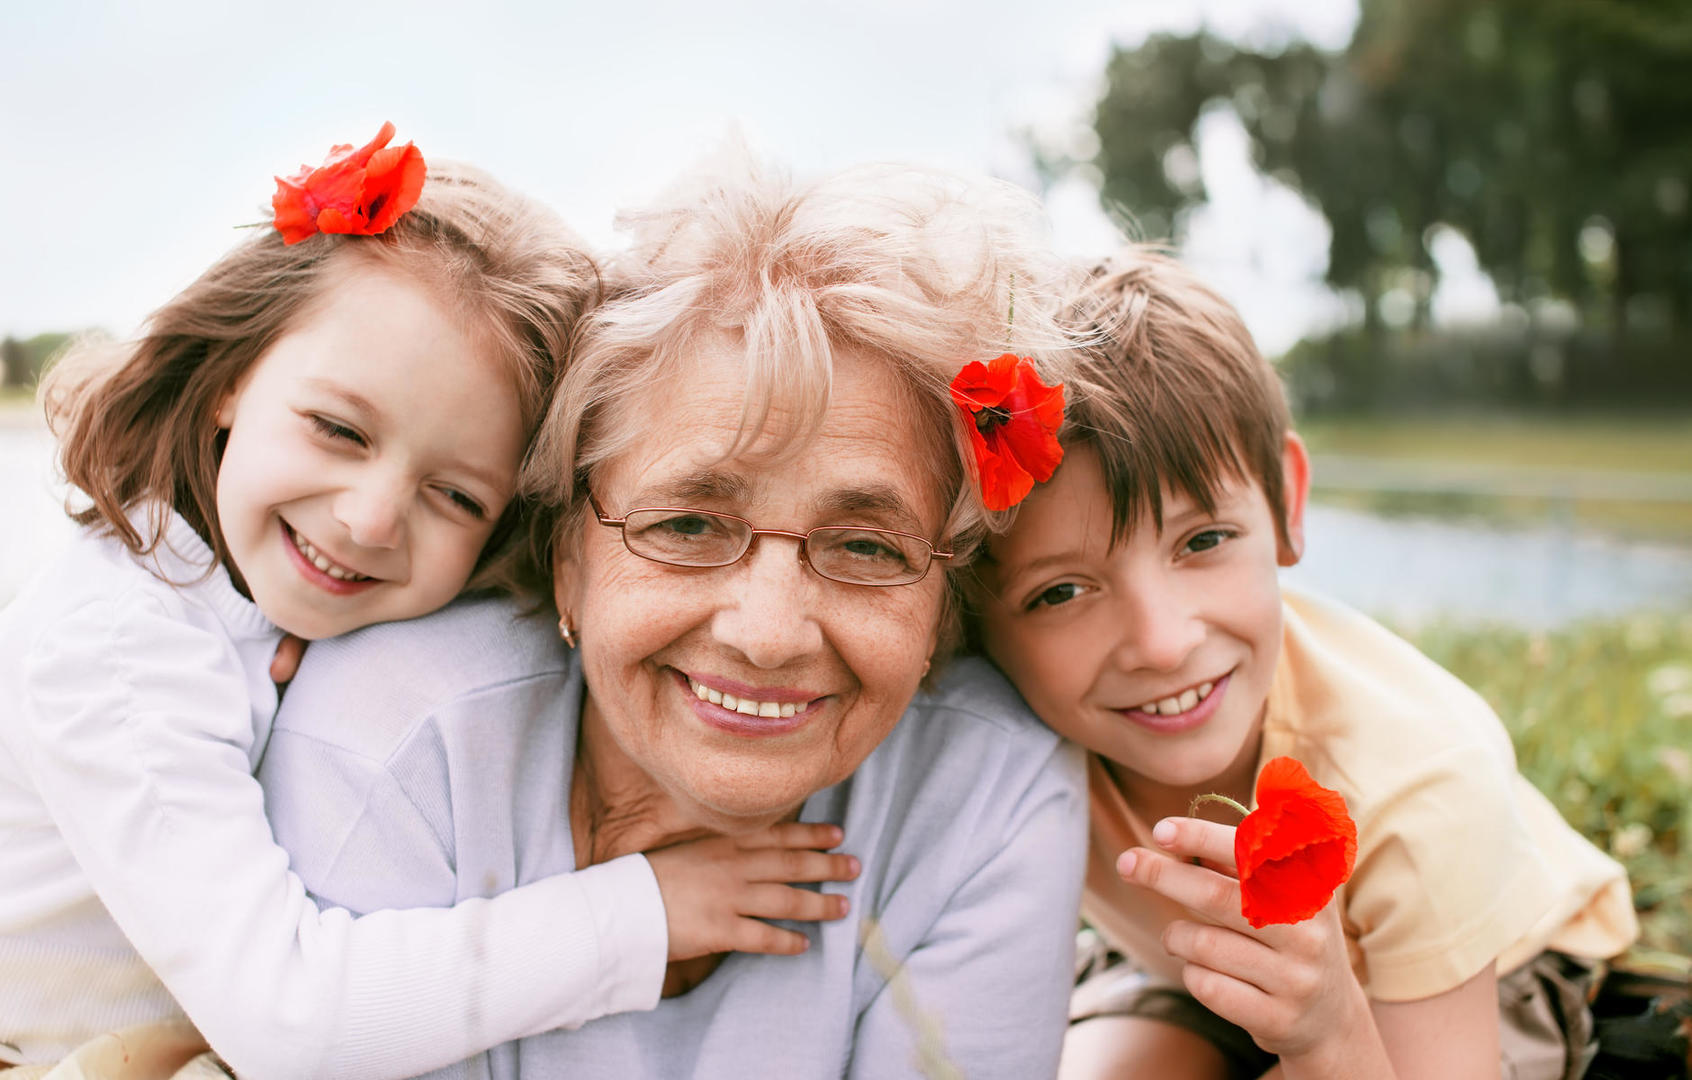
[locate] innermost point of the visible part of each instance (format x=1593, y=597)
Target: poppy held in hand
x=361, y=191
x=1013, y=420
x=1295, y=849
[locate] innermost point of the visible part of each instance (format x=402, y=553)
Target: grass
x=1600, y=714
x=1653, y=443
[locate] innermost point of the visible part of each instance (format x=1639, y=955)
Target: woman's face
x=767, y=628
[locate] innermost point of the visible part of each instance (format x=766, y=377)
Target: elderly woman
x=758, y=494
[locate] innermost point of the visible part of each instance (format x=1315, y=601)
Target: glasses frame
x=804, y=538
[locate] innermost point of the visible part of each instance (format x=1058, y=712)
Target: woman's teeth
x=1171, y=706
x=770, y=709
x=317, y=559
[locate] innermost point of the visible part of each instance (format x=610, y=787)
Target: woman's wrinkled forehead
x=707, y=430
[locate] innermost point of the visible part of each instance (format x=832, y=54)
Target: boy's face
x=1158, y=653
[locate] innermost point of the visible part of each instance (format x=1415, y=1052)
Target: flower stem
x=1192, y=810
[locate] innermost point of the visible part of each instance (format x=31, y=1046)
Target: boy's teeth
x=1180, y=703
x=768, y=709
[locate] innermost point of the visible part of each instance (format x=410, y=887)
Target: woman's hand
x=718, y=889
x=1291, y=987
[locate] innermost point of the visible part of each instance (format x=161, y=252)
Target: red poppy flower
x=1295, y=849
x=1013, y=421
x=361, y=191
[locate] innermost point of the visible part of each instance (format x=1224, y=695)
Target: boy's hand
x=718, y=889
x=286, y=663
x=1291, y=987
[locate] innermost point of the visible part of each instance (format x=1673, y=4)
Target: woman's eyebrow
x=709, y=485
x=877, y=500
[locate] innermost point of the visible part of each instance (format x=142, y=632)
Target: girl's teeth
x=1189, y=699
x=1169, y=706
x=767, y=709
x=317, y=559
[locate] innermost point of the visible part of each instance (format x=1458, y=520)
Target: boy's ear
x=1295, y=489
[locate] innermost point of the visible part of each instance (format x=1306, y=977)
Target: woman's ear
x=1295, y=490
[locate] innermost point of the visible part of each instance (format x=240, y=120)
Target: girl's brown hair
x=136, y=421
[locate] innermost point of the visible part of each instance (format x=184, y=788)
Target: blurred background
x=1463, y=228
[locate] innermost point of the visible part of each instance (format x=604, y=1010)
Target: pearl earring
x=567, y=632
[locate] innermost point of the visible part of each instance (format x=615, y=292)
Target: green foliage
x=22, y=362
x=1552, y=133
x=1601, y=715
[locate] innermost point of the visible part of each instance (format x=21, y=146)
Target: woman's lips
x=774, y=711
x=1186, y=719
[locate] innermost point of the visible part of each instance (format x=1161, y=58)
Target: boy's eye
x=1058, y=594
x=1207, y=539
x=330, y=429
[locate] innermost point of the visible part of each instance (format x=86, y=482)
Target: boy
x=1135, y=603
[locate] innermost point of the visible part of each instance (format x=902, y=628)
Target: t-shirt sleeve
x=986, y=987
x=1447, y=876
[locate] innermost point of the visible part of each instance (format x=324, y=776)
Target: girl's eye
x=330, y=429
x=1208, y=539
x=1058, y=594
x=465, y=503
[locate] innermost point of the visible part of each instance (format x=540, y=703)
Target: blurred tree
x=1555, y=134
x=22, y=362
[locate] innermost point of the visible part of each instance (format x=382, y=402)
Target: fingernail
x=1164, y=832
x=853, y=866
x=1125, y=864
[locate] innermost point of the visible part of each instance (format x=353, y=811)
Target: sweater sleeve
x=986, y=988
x=139, y=728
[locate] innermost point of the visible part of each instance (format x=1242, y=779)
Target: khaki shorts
x=1545, y=1024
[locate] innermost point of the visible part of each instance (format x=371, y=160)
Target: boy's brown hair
x=136, y=420
x=1175, y=392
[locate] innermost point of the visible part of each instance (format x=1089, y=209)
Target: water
x=1406, y=569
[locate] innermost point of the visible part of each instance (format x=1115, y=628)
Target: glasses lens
x=685, y=537
x=868, y=556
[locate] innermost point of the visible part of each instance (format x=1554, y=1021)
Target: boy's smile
x=1158, y=653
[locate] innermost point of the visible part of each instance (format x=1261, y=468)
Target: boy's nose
x=1161, y=631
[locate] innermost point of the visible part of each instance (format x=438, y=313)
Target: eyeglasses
x=853, y=554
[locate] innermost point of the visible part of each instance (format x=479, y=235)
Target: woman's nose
x=767, y=608
x=373, y=514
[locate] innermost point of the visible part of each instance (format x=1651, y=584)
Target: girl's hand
x=718, y=889
x=1291, y=987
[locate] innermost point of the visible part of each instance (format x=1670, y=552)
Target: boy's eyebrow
x=1012, y=571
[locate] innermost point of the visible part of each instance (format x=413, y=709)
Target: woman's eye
x=1207, y=539
x=330, y=429
x=687, y=525
x=1057, y=594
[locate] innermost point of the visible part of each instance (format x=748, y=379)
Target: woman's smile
x=752, y=712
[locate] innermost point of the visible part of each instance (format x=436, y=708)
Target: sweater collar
x=182, y=557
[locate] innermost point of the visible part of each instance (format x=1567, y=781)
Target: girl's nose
x=373, y=515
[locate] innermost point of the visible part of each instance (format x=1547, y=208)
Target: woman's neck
x=615, y=808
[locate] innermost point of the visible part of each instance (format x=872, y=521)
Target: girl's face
x=658, y=640
x=371, y=449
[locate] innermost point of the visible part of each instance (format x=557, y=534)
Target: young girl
x=322, y=432
x=1136, y=605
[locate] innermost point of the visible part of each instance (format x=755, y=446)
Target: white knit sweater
x=137, y=865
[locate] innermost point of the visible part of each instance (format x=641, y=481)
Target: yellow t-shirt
x=1460, y=861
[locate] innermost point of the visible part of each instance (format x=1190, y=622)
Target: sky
x=136, y=137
